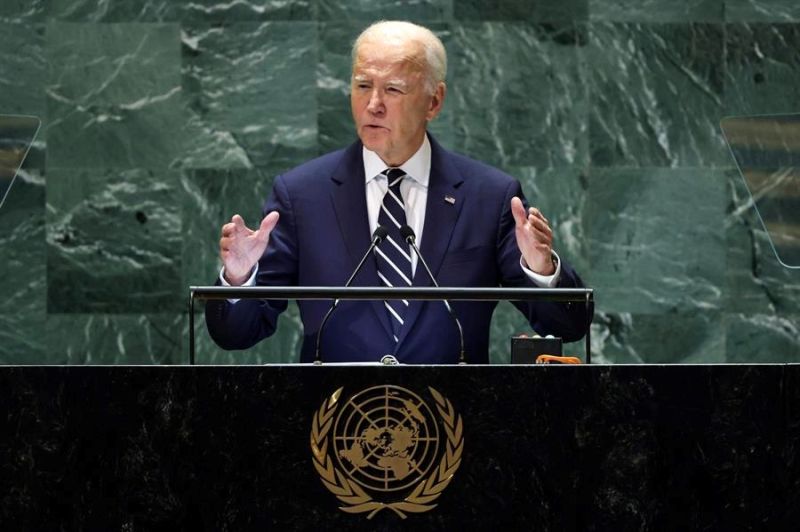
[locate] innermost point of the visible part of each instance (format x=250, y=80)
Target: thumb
x=267, y=225
x=518, y=210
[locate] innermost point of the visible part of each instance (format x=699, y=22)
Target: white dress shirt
x=414, y=190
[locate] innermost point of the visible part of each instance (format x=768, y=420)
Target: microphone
x=411, y=239
x=377, y=237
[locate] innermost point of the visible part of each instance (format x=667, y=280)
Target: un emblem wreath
x=385, y=429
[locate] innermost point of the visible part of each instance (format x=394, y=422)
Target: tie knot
x=394, y=176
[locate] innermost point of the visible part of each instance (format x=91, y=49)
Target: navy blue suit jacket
x=323, y=231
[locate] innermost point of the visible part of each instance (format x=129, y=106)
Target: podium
x=526, y=447
x=569, y=296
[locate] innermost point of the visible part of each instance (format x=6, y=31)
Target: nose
x=375, y=104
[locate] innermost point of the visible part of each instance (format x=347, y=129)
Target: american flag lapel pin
x=450, y=199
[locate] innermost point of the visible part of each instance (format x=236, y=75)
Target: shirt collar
x=418, y=167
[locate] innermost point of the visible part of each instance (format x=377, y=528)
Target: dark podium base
x=544, y=448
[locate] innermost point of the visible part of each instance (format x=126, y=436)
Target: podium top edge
x=375, y=292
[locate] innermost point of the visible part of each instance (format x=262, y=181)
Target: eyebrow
x=397, y=83
x=361, y=78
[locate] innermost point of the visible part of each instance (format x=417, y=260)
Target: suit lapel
x=350, y=204
x=445, y=200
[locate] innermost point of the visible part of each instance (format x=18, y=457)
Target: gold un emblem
x=381, y=449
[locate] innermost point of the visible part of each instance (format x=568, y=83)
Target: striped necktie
x=393, y=256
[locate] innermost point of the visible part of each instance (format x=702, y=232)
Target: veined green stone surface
x=657, y=10
x=162, y=119
x=113, y=95
x=114, y=241
x=250, y=90
x=657, y=94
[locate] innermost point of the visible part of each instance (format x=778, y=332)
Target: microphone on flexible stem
x=411, y=239
x=377, y=237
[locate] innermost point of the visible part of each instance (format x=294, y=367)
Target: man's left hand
x=534, y=238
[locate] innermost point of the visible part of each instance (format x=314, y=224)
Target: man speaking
x=469, y=220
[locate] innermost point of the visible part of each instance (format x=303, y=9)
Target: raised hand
x=534, y=238
x=240, y=248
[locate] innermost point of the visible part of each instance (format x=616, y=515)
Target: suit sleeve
x=242, y=324
x=567, y=320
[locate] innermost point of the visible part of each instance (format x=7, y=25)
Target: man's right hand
x=240, y=248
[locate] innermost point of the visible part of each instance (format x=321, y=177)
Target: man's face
x=390, y=103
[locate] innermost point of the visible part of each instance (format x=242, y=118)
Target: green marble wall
x=162, y=118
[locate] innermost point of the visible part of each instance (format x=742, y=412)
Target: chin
x=372, y=144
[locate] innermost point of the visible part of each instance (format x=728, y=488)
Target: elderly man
x=469, y=219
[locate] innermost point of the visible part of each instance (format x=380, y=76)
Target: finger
x=238, y=222
x=540, y=226
x=267, y=225
x=518, y=211
x=537, y=213
x=228, y=229
x=540, y=237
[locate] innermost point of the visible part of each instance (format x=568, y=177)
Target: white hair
x=435, y=60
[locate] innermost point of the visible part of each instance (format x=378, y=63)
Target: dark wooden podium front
x=541, y=448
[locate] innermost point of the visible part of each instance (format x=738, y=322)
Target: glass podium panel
x=767, y=153
x=16, y=136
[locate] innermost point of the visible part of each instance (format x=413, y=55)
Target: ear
x=437, y=101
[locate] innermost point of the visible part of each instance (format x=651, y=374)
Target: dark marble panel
x=696, y=337
x=517, y=94
x=762, y=11
x=553, y=448
x=755, y=281
x=758, y=338
x=114, y=241
x=521, y=10
x=23, y=11
x=790, y=454
x=250, y=92
x=686, y=447
x=742, y=447
x=334, y=69
x=657, y=94
x=422, y=11
x=657, y=10
x=656, y=239
x=113, y=95
x=762, y=68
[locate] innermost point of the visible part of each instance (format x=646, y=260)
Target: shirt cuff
x=251, y=281
x=543, y=281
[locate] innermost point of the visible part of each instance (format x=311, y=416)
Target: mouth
x=374, y=127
